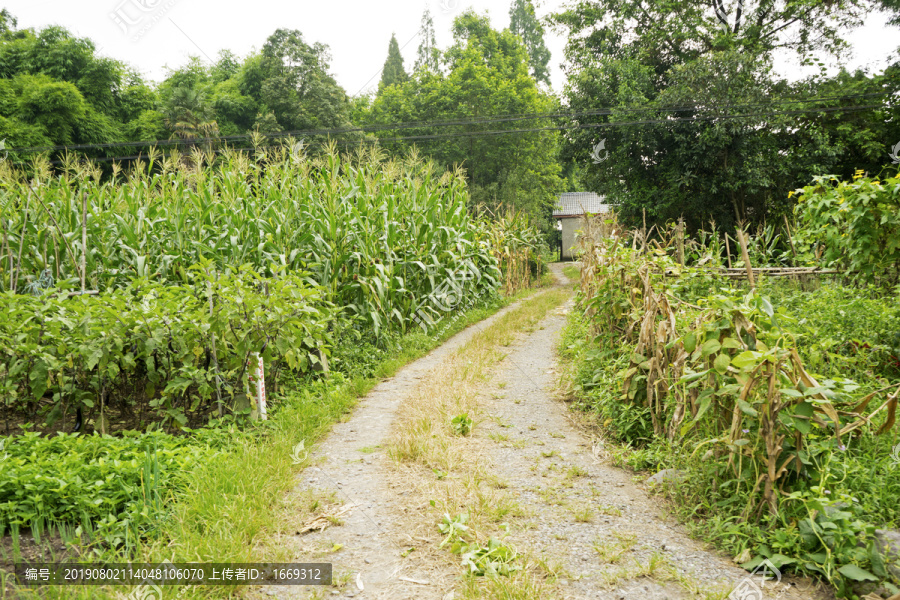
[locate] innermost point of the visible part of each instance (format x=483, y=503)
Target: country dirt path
x=602, y=535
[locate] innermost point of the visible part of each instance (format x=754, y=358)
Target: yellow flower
x=841, y=201
x=791, y=193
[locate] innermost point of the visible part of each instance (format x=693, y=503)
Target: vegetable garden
x=132, y=303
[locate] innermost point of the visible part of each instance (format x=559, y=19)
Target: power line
x=498, y=132
x=606, y=111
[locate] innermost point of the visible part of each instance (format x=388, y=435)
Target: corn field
x=187, y=270
x=726, y=375
x=379, y=235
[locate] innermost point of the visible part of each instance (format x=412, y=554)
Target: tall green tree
x=57, y=90
x=8, y=22
x=189, y=115
x=428, y=55
x=393, y=72
x=696, y=126
x=293, y=81
x=524, y=23
x=488, y=75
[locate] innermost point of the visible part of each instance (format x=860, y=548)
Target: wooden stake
x=7, y=251
x=680, y=241
x=83, y=239
x=214, y=356
x=727, y=250
x=743, y=242
x=644, y=242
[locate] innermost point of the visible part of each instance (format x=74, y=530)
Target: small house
x=570, y=214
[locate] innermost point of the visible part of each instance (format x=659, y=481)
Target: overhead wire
x=470, y=134
x=605, y=111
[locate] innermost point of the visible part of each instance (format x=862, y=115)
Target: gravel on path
x=589, y=521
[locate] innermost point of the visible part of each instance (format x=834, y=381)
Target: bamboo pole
x=680, y=241
x=644, y=236
x=746, y=256
x=83, y=239
x=7, y=251
x=214, y=356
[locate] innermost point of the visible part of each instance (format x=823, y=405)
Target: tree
x=488, y=75
x=428, y=56
x=8, y=22
x=292, y=80
x=61, y=92
x=524, y=23
x=676, y=78
x=189, y=116
x=393, y=72
x=665, y=33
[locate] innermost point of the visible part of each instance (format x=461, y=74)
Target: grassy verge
x=572, y=272
x=228, y=503
x=467, y=500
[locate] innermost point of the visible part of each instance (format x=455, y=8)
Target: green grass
x=572, y=272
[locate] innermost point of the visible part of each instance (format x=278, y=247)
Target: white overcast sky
x=357, y=31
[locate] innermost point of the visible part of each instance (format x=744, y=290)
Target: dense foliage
x=752, y=394
x=488, y=75
x=148, y=350
x=695, y=121
x=197, y=268
x=93, y=488
x=856, y=222
x=378, y=235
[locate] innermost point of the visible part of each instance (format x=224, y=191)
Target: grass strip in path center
x=433, y=455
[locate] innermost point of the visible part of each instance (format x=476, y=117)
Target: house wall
x=569, y=227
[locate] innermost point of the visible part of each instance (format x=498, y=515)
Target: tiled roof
x=577, y=203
